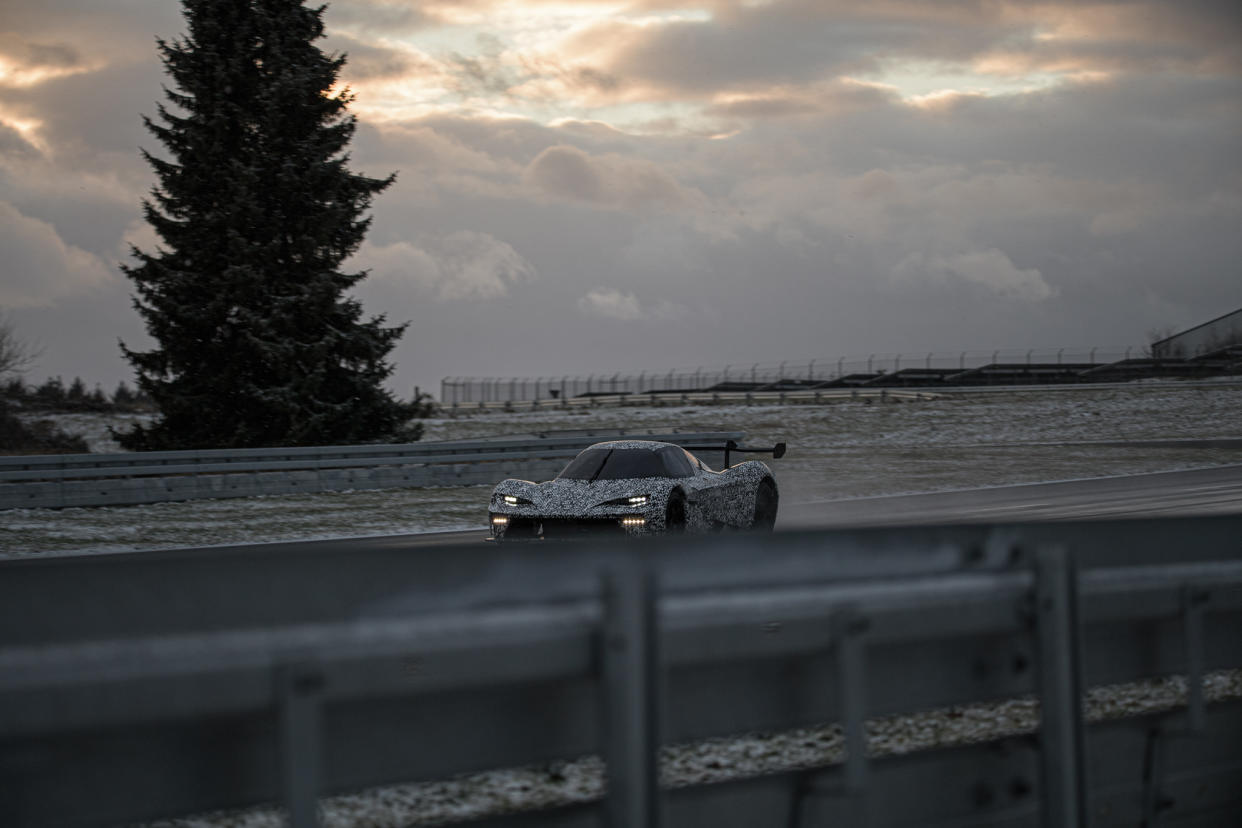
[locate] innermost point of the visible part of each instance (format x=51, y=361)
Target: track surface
x=1210, y=491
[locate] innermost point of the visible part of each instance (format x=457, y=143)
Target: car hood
x=562, y=494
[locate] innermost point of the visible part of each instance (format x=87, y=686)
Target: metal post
x=848, y=627
x=928, y=363
x=897, y=364
x=1194, y=602
x=1060, y=690
x=631, y=683
x=299, y=694
x=810, y=372
x=869, y=363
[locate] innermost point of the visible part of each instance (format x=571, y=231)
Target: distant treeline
x=54, y=395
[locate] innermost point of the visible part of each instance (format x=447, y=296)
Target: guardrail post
x=848, y=628
x=1058, y=643
x=631, y=695
x=299, y=696
x=1194, y=603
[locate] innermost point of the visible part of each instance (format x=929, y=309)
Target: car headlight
x=513, y=500
x=630, y=500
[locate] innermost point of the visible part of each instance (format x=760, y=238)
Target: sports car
x=637, y=487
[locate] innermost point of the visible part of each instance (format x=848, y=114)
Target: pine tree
x=257, y=210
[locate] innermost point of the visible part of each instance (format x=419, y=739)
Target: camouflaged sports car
x=637, y=487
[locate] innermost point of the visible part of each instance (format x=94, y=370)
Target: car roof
x=649, y=445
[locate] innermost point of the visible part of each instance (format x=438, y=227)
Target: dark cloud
x=805, y=41
x=31, y=55
x=376, y=17
x=368, y=61
x=14, y=145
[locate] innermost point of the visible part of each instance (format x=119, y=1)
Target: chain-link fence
x=764, y=375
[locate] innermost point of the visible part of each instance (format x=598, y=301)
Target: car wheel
x=675, y=513
x=766, y=500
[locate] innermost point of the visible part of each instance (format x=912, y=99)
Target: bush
x=39, y=437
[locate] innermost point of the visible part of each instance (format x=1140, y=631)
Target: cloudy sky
x=605, y=185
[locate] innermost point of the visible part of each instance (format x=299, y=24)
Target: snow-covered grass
x=838, y=450
x=93, y=428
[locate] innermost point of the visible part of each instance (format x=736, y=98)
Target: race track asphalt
x=1208, y=491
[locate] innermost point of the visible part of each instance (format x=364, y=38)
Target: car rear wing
x=777, y=451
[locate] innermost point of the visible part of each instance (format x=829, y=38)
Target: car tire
x=766, y=502
x=675, y=513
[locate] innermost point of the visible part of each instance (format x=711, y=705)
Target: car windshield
x=623, y=464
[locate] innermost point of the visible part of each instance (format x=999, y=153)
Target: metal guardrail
x=146, y=477
x=695, y=398
x=143, y=685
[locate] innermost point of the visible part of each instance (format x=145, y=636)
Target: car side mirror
x=779, y=451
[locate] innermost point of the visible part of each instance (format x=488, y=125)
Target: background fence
x=145, y=685
x=60, y=480
x=759, y=374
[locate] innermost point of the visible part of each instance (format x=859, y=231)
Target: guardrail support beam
x=1194, y=603
x=630, y=666
x=299, y=689
x=848, y=642
x=1058, y=640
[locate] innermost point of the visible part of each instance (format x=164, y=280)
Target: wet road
x=1210, y=491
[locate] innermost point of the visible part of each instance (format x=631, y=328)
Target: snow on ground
x=838, y=450
x=582, y=780
x=93, y=428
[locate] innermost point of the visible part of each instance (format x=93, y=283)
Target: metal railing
x=141, y=686
x=146, y=477
x=760, y=374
